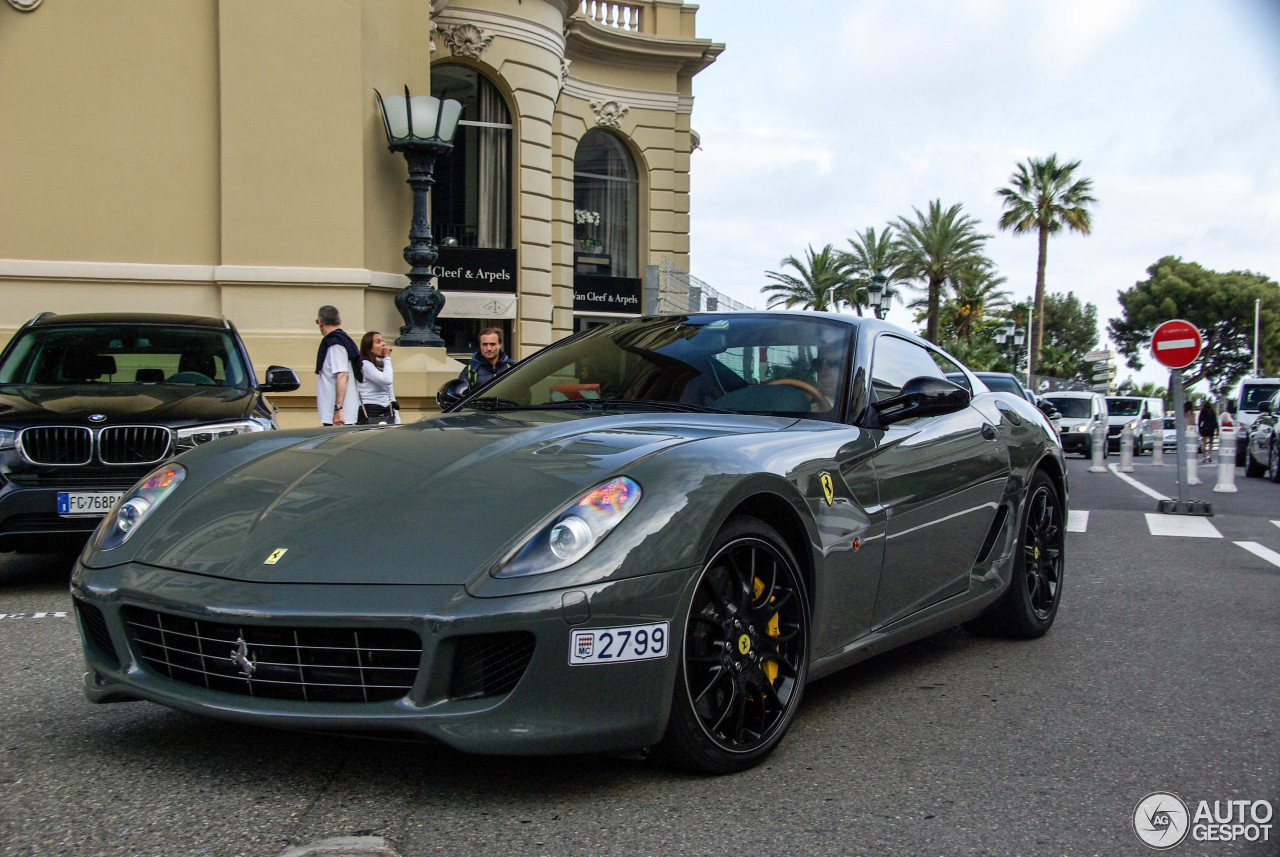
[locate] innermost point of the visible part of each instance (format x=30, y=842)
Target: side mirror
x=280, y=379
x=922, y=397
x=452, y=392
x=1264, y=407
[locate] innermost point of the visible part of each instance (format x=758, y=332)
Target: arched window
x=605, y=198
x=471, y=207
x=471, y=200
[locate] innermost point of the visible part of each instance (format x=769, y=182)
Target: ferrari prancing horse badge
x=828, y=487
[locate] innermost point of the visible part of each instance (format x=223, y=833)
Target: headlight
x=571, y=533
x=137, y=505
x=1132, y=426
x=1081, y=427
x=193, y=436
x=8, y=438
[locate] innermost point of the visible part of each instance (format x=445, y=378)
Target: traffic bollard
x=1226, y=461
x=1157, y=451
x=1126, y=449
x=1099, y=449
x=1192, y=454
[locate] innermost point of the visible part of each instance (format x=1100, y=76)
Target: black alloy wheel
x=1030, y=603
x=745, y=653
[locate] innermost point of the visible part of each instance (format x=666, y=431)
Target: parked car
x=1135, y=413
x=90, y=403
x=1170, y=431
x=1262, y=444
x=1083, y=414
x=648, y=535
x=1007, y=382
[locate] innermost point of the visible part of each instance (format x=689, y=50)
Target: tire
x=1273, y=460
x=1029, y=605
x=1251, y=467
x=744, y=654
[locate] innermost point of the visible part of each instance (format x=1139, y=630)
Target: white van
x=1082, y=413
x=1136, y=413
x=1252, y=393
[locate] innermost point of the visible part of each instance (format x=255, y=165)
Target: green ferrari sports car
x=646, y=537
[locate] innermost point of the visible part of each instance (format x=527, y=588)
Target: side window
x=896, y=361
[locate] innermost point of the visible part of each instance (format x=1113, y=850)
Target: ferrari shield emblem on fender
x=828, y=487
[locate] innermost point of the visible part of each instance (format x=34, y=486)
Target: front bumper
x=1077, y=441
x=553, y=707
x=29, y=515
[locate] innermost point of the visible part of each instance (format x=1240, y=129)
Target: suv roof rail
x=42, y=316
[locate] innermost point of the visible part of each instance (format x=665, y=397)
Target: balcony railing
x=619, y=16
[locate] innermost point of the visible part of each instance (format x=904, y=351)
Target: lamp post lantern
x=880, y=294
x=421, y=128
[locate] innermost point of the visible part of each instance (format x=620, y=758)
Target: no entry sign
x=1176, y=343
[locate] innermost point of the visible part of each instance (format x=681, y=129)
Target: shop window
x=471, y=200
x=606, y=249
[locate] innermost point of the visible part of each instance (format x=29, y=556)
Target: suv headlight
x=8, y=438
x=571, y=533
x=136, y=506
x=1081, y=427
x=193, y=436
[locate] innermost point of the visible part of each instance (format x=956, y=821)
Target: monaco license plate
x=618, y=645
x=86, y=504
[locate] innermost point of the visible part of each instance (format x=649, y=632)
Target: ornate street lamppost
x=881, y=295
x=1010, y=333
x=421, y=128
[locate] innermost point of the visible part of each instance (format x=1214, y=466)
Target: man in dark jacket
x=487, y=363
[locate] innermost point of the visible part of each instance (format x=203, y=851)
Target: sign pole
x=1175, y=385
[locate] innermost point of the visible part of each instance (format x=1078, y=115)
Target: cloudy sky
x=824, y=117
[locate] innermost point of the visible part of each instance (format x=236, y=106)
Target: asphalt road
x=1160, y=675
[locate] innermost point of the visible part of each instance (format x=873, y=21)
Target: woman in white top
x=378, y=404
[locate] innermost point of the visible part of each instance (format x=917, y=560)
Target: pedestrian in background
x=338, y=358
x=1208, y=429
x=378, y=405
x=487, y=363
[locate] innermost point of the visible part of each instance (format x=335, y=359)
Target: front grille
x=95, y=628
x=66, y=445
x=489, y=664
x=133, y=444
x=1114, y=430
x=77, y=480
x=304, y=663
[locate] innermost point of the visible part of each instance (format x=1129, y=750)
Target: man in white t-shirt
x=334, y=367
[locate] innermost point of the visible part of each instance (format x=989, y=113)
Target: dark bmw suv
x=89, y=404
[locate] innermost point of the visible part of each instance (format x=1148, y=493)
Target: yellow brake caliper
x=770, y=666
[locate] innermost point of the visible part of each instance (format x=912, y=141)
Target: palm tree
x=1044, y=197
x=870, y=255
x=975, y=292
x=935, y=248
x=820, y=277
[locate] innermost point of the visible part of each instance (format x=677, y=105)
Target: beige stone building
x=228, y=158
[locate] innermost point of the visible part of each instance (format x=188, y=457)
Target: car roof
x=47, y=319
x=1073, y=394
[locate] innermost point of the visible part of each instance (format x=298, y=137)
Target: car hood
x=171, y=404
x=432, y=502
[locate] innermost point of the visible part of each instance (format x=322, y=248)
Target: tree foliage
x=1044, y=197
x=868, y=255
x=937, y=247
x=1220, y=305
x=817, y=283
x=1071, y=330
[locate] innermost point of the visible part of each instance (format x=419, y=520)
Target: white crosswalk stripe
x=1187, y=526
x=1259, y=551
x=1077, y=521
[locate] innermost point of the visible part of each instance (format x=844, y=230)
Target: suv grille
x=116, y=445
x=312, y=664
x=133, y=444
x=57, y=444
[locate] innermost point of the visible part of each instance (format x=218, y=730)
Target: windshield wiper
x=649, y=404
x=493, y=403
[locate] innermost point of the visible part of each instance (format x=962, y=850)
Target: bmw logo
x=97, y=418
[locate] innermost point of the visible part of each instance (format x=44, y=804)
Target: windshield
x=1252, y=395
x=1071, y=408
x=1124, y=407
x=124, y=354
x=738, y=363
x=1003, y=384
